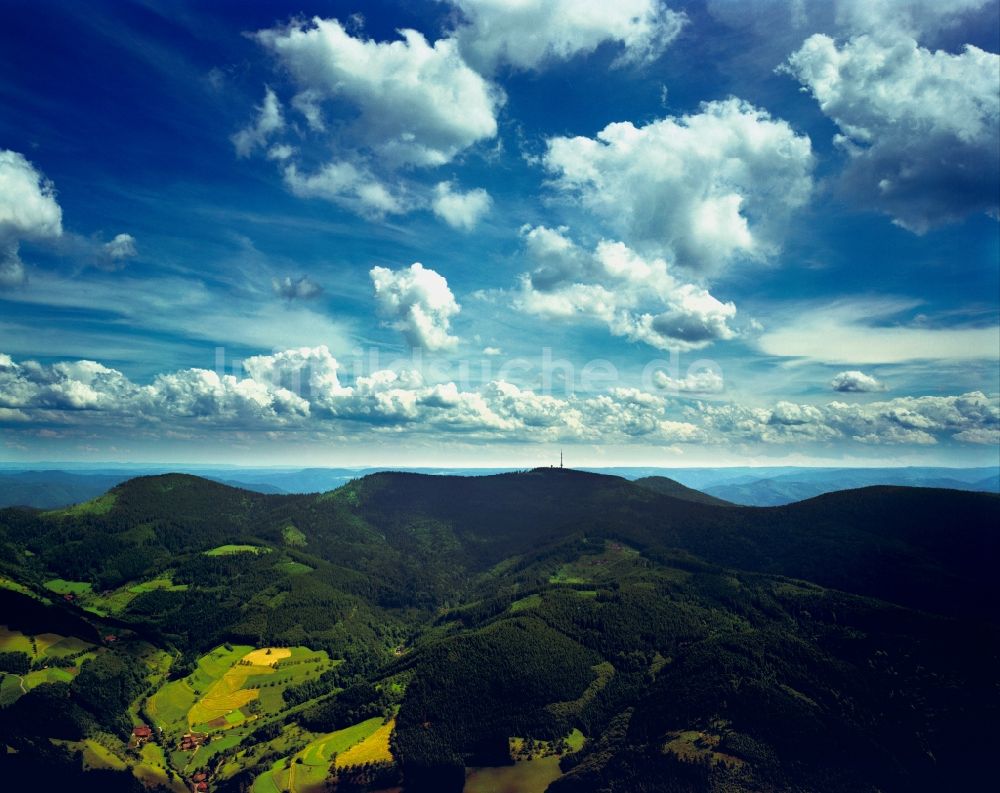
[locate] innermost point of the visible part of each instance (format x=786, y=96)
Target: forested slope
x=844, y=643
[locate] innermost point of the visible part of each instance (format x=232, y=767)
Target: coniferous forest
x=407, y=630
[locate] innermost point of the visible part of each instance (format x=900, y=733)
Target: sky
x=476, y=232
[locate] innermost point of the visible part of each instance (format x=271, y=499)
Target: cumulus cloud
x=701, y=381
x=28, y=210
x=856, y=382
x=417, y=103
x=115, y=253
x=636, y=297
x=269, y=120
x=528, y=33
x=416, y=301
x=917, y=421
x=300, y=388
x=702, y=189
x=460, y=210
x=301, y=288
x=920, y=127
x=351, y=186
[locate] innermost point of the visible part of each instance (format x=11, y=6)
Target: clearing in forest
x=373, y=749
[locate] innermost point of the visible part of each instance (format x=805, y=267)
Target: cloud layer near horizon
x=302, y=389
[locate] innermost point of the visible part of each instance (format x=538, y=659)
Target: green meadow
x=226, y=550
x=308, y=769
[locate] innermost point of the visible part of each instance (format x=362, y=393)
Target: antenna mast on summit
x=560, y=458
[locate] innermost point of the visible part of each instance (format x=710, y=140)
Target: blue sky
x=649, y=232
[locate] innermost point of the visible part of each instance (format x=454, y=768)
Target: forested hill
x=932, y=549
x=671, y=487
x=846, y=643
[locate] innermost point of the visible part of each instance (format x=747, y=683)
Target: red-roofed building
x=201, y=786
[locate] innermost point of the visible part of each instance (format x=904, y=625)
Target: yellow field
x=373, y=749
x=262, y=658
x=228, y=693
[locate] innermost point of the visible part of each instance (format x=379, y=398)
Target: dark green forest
x=846, y=643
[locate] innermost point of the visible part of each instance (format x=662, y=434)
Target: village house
x=141, y=734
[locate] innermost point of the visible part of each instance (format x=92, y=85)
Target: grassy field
x=225, y=550
x=97, y=506
x=63, y=587
x=307, y=770
x=10, y=689
x=157, y=584
x=293, y=536
x=214, y=697
x=518, y=751
x=373, y=749
x=616, y=560
x=152, y=770
x=113, y=602
x=293, y=568
x=7, y=583
x=530, y=602
x=43, y=647
x=97, y=756
x=14, y=641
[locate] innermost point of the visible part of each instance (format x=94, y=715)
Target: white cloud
x=353, y=187
x=460, y=210
x=782, y=24
x=12, y=271
x=527, y=33
x=300, y=389
x=856, y=382
x=986, y=437
x=416, y=301
x=302, y=288
x=917, y=421
x=701, y=381
x=920, y=127
x=28, y=205
x=120, y=248
x=418, y=104
x=28, y=210
x=909, y=17
x=860, y=332
x=269, y=120
x=702, y=189
x=280, y=152
x=185, y=308
x=635, y=297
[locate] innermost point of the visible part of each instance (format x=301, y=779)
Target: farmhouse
x=192, y=740
x=142, y=733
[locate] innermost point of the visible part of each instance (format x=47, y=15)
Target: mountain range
x=628, y=635
x=52, y=485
